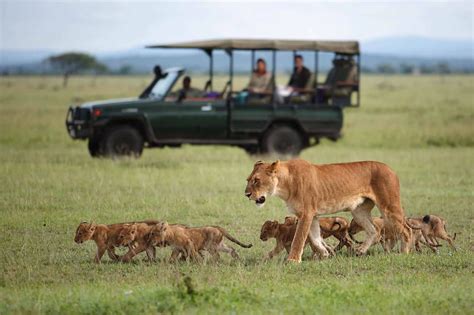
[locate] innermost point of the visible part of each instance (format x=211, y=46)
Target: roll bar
x=229, y=45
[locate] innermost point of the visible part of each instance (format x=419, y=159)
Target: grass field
x=421, y=126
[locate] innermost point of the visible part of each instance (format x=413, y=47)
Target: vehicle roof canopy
x=344, y=47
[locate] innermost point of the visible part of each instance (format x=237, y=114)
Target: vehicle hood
x=111, y=102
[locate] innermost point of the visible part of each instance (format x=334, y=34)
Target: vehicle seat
x=306, y=95
x=261, y=98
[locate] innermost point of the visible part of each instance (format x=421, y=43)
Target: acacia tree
x=72, y=63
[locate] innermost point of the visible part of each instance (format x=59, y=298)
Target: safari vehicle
x=275, y=124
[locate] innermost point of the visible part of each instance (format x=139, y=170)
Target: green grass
x=421, y=126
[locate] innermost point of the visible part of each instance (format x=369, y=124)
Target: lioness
x=191, y=241
x=310, y=190
x=433, y=227
x=104, y=236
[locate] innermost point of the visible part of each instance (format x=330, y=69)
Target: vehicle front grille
x=79, y=113
x=78, y=122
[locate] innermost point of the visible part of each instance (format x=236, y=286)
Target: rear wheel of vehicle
x=252, y=149
x=122, y=141
x=94, y=147
x=282, y=140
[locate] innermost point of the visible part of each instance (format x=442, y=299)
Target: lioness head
x=127, y=234
x=262, y=182
x=84, y=232
x=269, y=229
x=157, y=235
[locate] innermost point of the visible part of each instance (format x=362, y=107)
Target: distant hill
x=420, y=47
x=417, y=52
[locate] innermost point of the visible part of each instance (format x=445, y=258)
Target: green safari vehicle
x=259, y=123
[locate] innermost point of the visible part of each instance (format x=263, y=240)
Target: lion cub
x=283, y=233
x=137, y=237
x=433, y=227
x=104, y=236
x=384, y=237
x=337, y=227
x=192, y=241
x=387, y=239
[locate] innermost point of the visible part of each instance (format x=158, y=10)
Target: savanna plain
x=422, y=126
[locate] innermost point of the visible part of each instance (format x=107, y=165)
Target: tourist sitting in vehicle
x=260, y=82
x=341, y=80
x=300, y=76
x=187, y=91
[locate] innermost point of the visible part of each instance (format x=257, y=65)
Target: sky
x=102, y=26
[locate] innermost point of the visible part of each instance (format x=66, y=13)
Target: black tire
x=94, y=147
x=252, y=149
x=122, y=141
x=282, y=140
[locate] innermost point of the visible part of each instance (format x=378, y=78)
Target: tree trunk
x=66, y=77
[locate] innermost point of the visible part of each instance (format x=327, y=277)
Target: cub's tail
x=336, y=226
x=231, y=238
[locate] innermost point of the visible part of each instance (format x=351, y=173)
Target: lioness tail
x=231, y=238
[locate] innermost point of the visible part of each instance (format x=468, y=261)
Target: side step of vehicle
x=206, y=141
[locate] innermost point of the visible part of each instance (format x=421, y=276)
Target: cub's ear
x=273, y=168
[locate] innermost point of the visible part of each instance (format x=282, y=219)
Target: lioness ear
x=272, y=169
x=257, y=163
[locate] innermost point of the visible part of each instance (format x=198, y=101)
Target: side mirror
x=157, y=71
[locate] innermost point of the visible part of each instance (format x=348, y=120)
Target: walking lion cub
x=191, y=242
x=106, y=237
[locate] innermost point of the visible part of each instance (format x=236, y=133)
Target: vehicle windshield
x=163, y=85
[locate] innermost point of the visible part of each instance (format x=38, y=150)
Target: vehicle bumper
x=78, y=122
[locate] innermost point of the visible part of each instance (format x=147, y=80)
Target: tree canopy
x=75, y=62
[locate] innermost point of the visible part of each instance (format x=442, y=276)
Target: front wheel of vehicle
x=94, y=147
x=283, y=140
x=122, y=141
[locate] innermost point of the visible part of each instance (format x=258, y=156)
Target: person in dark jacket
x=300, y=76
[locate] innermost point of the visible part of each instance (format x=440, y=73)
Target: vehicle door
x=203, y=118
x=248, y=116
